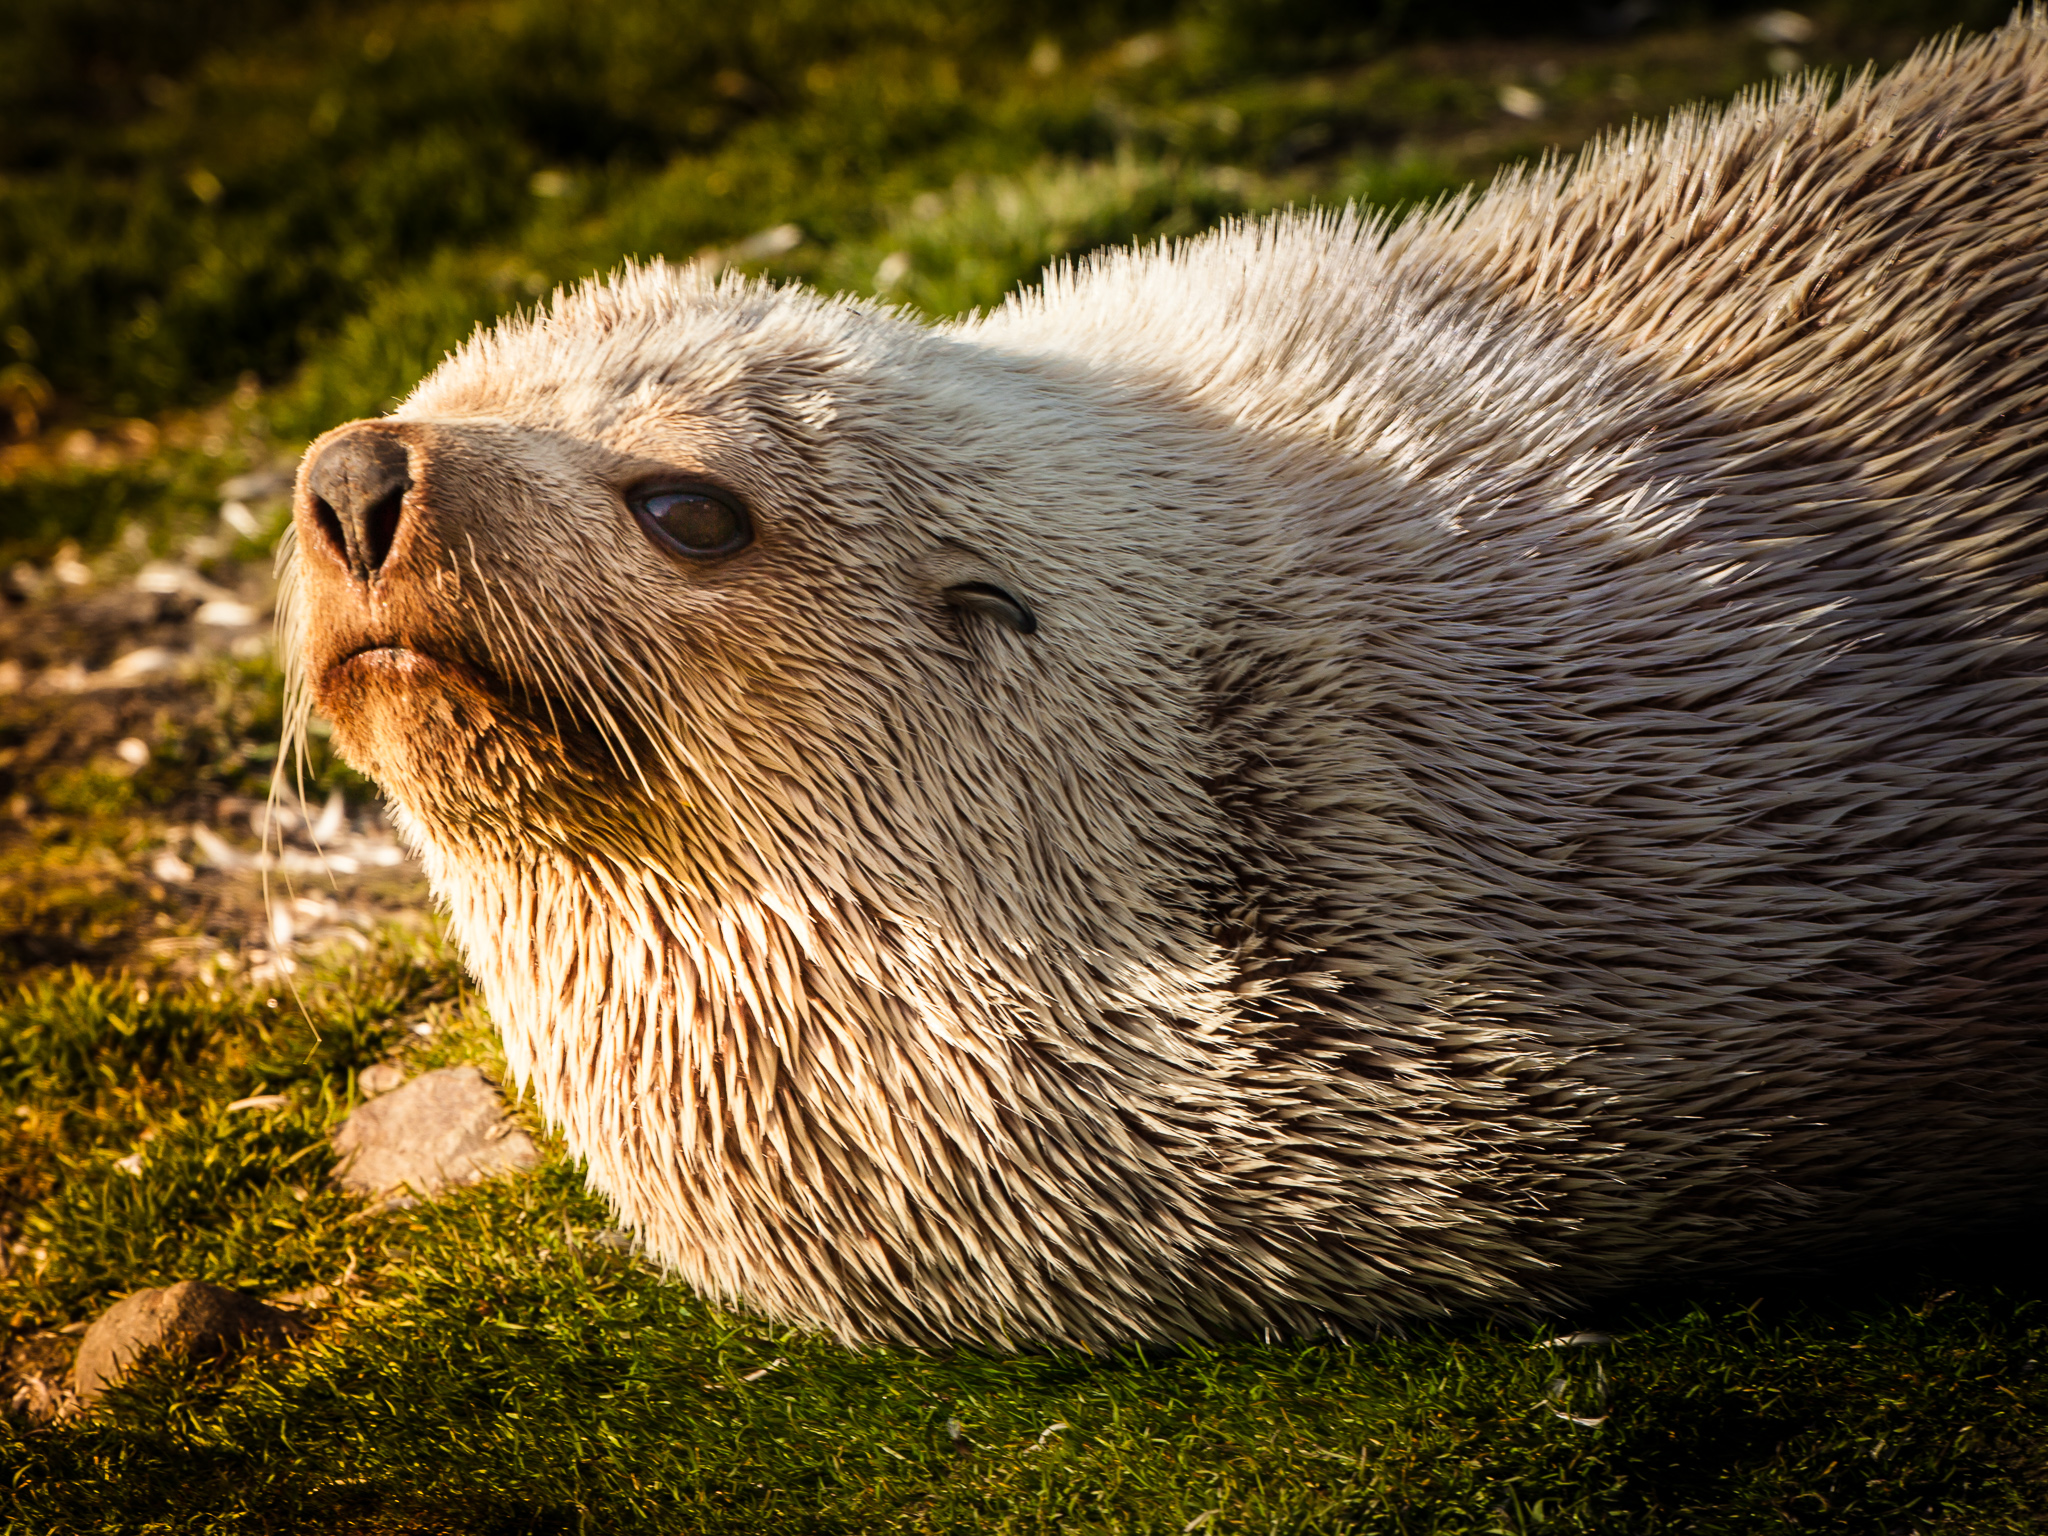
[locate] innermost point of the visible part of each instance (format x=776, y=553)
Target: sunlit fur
x=1530, y=773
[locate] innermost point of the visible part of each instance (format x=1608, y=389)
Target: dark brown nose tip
x=358, y=485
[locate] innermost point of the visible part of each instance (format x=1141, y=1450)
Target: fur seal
x=1327, y=772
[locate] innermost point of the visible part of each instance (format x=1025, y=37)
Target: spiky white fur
x=1531, y=771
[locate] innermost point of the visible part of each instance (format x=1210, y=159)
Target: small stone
x=225, y=613
x=189, y=1318
x=146, y=662
x=440, y=1130
x=160, y=576
x=381, y=1078
x=35, y=1379
x=171, y=869
x=27, y=580
x=69, y=569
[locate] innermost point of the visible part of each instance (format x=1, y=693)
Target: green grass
x=75, y=821
x=357, y=186
x=495, y=1369
x=244, y=221
x=490, y=1366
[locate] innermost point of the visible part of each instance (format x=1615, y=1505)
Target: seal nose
x=358, y=486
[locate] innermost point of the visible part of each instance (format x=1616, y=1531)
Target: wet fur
x=1529, y=774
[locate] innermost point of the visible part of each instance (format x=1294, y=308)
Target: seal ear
x=957, y=574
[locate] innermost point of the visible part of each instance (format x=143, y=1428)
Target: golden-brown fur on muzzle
x=416, y=538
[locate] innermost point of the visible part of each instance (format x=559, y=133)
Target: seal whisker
x=513, y=664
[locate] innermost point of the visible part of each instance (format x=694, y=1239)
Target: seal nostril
x=380, y=527
x=330, y=525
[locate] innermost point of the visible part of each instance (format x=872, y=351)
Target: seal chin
x=421, y=723
x=383, y=676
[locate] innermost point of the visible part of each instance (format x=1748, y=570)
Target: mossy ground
x=222, y=231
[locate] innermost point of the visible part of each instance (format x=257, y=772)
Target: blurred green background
x=196, y=192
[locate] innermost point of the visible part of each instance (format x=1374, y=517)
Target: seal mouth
x=387, y=662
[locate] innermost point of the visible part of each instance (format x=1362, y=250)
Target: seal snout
x=381, y=601
x=358, y=485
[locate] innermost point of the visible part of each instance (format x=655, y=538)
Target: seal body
x=1323, y=773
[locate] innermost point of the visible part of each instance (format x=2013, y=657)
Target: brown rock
x=189, y=1318
x=441, y=1129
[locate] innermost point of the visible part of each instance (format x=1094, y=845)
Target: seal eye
x=692, y=520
